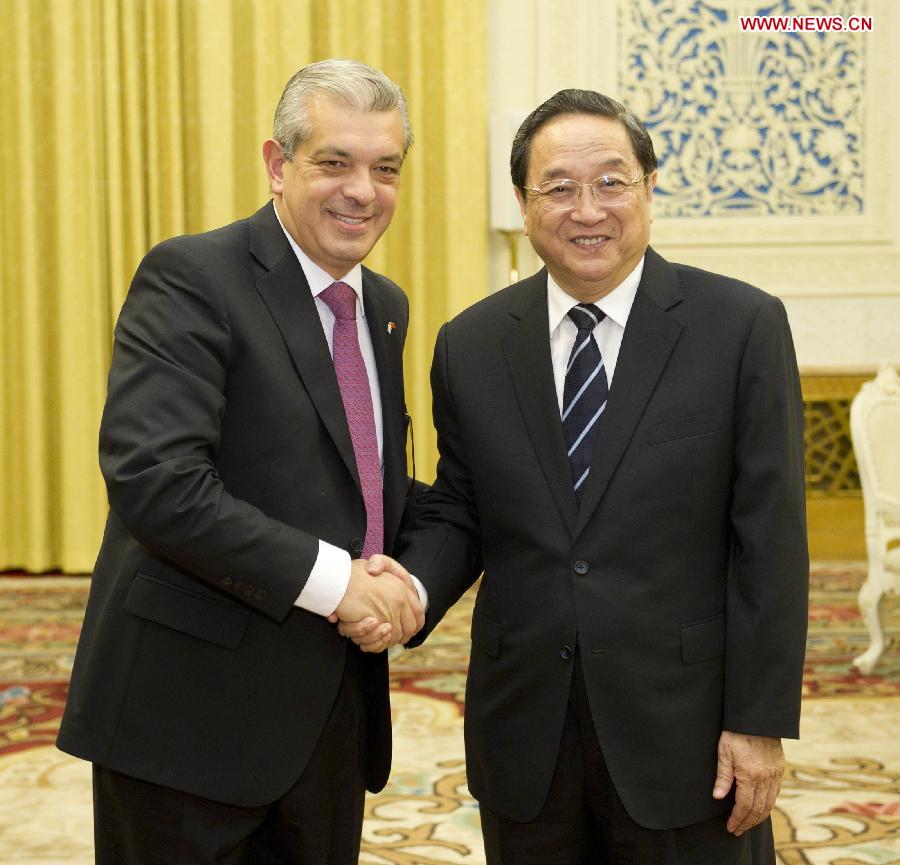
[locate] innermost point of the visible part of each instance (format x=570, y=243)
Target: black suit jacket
x=681, y=578
x=227, y=455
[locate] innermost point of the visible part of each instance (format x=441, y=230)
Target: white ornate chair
x=875, y=429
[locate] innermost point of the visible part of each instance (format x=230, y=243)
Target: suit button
x=565, y=652
x=227, y=581
x=581, y=567
x=249, y=591
x=260, y=595
x=356, y=546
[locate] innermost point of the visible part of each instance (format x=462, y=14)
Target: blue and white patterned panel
x=746, y=124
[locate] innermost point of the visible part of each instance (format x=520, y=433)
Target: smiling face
x=591, y=249
x=336, y=196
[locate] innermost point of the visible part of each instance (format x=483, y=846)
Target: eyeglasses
x=609, y=191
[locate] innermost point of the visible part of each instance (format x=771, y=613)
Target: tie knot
x=586, y=316
x=341, y=300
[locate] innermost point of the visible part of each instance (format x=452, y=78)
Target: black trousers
x=318, y=821
x=584, y=822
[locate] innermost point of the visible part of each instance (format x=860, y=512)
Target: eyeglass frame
x=537, y=194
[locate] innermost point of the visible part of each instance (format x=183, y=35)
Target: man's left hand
x=756, y=765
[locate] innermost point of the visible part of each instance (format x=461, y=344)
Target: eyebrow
x=615, y=162
x=344, y=154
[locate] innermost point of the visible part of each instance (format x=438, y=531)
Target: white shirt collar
x=616, y=305
x=320, y=279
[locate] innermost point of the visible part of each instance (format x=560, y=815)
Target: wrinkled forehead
x=339, y=128
x=574, y=144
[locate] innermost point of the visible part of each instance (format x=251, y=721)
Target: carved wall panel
x=747, y=123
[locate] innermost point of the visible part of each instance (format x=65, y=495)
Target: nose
x=360, y=187
x=588, y=209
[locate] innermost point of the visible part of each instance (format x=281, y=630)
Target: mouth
x=590, y=242
x=351, y=221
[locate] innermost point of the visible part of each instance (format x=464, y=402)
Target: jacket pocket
x=486, y=635
x=703, y=640
x=190, y=613
x=687, y=427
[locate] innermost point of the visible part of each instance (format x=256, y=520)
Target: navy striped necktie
x=584, y=394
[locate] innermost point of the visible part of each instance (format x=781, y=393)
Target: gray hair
x=349, y=81
x=578, y=102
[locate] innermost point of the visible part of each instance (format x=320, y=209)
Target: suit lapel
x=387, y=346
x=650, y=335
x=285, y=291
x=527, y=350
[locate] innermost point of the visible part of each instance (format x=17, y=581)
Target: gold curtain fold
x=128, y=121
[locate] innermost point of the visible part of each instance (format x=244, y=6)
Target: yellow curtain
x=128, y=121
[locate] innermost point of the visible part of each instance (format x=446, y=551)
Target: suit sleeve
x=441, y=543
x=769, y=575
x=160, y=436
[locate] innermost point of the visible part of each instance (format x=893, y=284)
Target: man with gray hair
x=253, y=447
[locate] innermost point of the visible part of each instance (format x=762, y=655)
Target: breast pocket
x=688, y=427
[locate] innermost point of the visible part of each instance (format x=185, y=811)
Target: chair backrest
x=875, y=429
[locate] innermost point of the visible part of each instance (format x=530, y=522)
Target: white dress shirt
x=608, y=333
x=328, y=580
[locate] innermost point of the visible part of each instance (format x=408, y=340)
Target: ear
x=650, y=186
x=273, y=157
x=522, y=207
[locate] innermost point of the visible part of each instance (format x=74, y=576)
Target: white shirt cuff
x=423, y=592
x=327, y=582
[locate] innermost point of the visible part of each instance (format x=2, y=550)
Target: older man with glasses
x=621, y=453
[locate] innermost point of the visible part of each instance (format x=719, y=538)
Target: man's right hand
x=386, y=599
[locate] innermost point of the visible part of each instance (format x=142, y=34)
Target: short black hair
x=574, y=101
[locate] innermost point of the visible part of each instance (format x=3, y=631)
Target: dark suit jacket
x=682, y=578
x=227, y=455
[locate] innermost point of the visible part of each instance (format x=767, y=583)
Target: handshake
x=381, y=606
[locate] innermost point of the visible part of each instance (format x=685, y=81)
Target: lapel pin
x=390, y=327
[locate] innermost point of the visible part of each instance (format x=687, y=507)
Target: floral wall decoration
x=747, y=124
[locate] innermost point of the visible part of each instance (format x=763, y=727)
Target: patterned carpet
x=840, y=804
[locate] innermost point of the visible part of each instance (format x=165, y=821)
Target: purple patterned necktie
x=356, y=394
